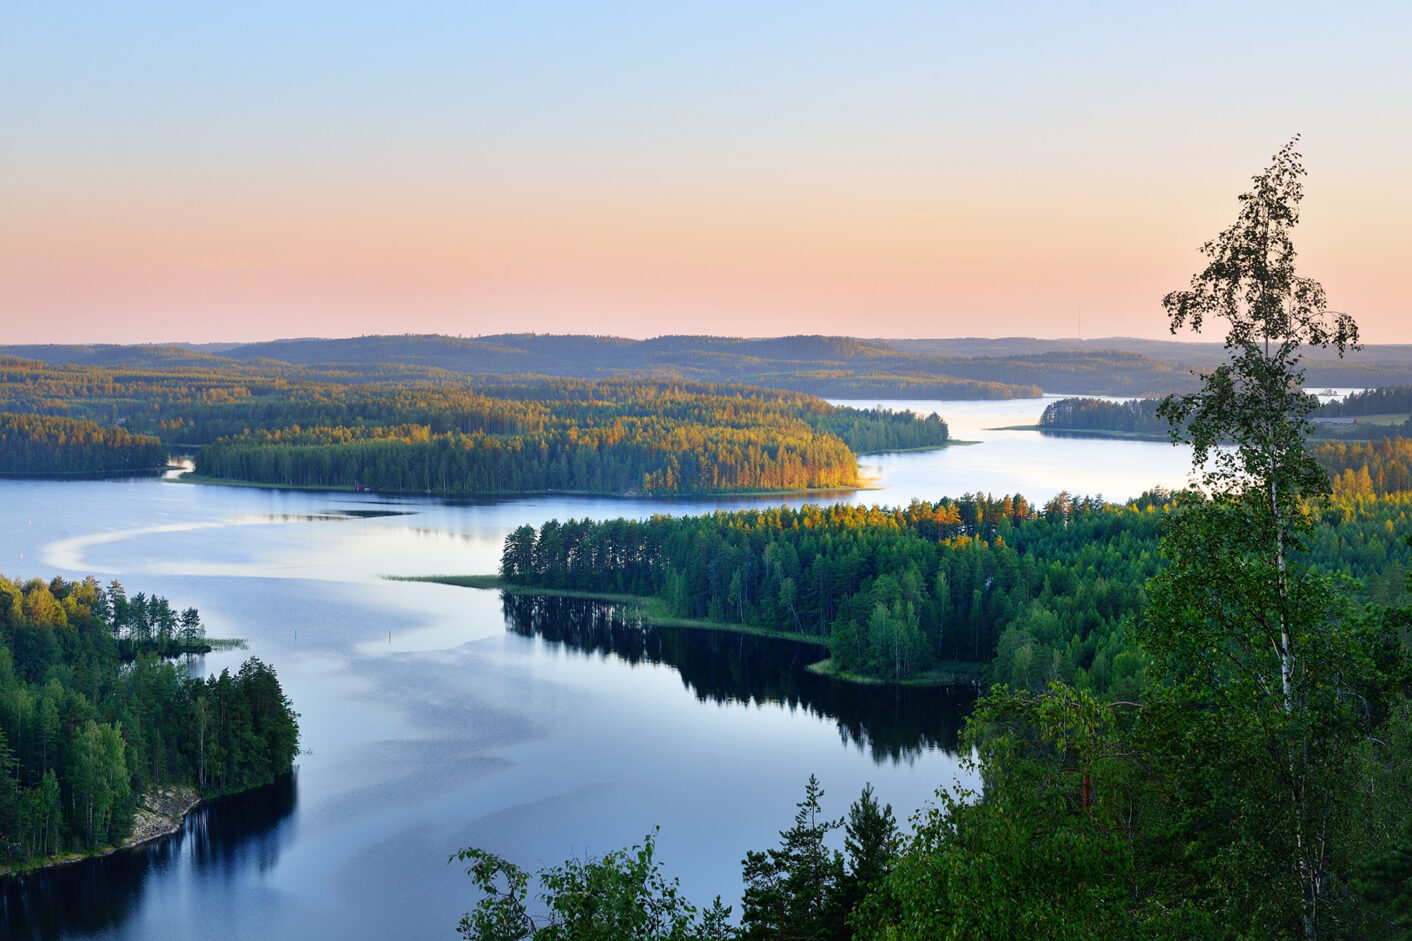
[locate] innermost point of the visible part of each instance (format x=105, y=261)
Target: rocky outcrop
x=160, y=813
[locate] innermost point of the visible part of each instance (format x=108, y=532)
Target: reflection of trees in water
x=893, y=722
x=99, y=894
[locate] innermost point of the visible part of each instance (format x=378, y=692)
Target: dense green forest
x=40, y=445
x=1135, y=416
x=613, y=437
x=1383, y=400
x=1034, y=593
x=92, y=718
x=380, y=431
x=1140, y=416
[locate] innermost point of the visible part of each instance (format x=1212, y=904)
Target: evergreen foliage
x=91, y=717
x=451, y=435
x=1038, y=594
x=45, y=446
x=1381, y=400
x=1134, y=416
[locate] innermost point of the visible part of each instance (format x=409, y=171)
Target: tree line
x=1086, y=414
x=193, y=406
x=1140, y=416
x=1034, y=593
x=610, y=437
x=1368, y=468
x=453, y=436
x=43, y=445
x=1381, y=400
x=92, y=717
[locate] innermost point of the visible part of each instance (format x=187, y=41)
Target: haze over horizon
x=182, y=174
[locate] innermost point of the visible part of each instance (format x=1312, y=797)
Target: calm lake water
x=436, y=717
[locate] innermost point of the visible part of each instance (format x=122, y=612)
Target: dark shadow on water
x=892, y=722
x=222, y=839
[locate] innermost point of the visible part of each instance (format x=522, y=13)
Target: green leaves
x=621, y=895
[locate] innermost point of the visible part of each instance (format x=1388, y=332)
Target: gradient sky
x=201, y=171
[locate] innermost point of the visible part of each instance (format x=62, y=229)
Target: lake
x=436, y=717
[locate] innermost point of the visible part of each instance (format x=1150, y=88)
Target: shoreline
x=155, y=471
x=649, y=609
x=150, y=823
x=863, y=484
x=1097, y=433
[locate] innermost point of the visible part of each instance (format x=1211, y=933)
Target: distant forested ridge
x=43, y=445
x=1035, y=593
x=91, y=717
x=1133, y=366
x=818, y=365
x=842, y=367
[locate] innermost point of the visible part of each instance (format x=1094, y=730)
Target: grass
x=653, y=611
x=226, y=643
x=946, y=674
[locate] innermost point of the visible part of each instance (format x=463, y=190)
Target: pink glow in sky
x=897, y=170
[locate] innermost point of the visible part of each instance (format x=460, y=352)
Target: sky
x=231, y=172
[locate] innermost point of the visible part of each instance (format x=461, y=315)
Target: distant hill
x=115, y=355
x=820, y=365
x=1046, y=362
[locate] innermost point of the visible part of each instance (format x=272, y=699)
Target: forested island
x=95, y=725
x=1135, y=418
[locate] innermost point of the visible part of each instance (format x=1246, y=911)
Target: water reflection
x=221, y=840
x=893, y=723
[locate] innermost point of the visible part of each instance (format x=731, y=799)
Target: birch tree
x=1244, y=630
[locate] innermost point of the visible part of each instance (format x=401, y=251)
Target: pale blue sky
x=202, y=171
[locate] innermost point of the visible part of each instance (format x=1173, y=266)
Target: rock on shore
x=160, y=813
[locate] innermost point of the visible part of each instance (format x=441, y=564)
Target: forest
x=42, y=445
x=1134, y=416
x=1382, y=400
x=607, y=437
x=506, y=435
x=1141, y=418
x=92, y=717
x=1033, y=594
